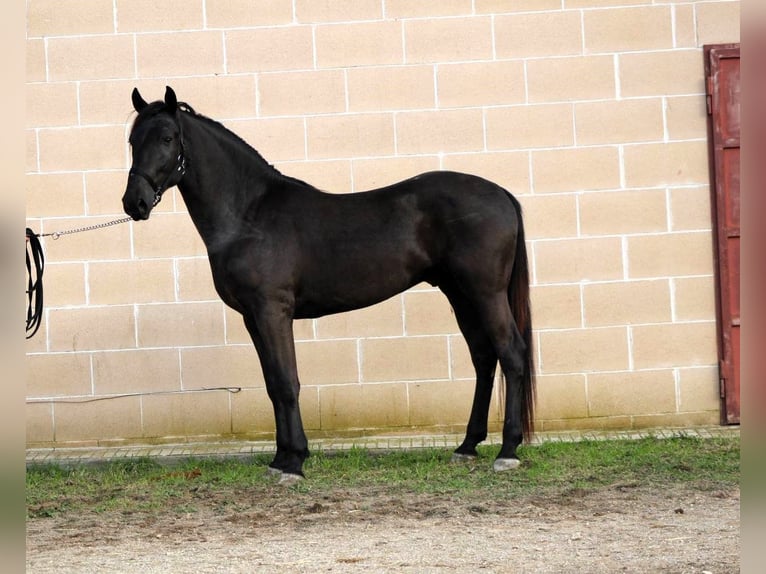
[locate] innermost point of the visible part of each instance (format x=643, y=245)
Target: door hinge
x=709, y=94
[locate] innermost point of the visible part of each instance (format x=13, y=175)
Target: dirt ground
x=615, y=529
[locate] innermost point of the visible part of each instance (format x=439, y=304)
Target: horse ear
x=139, y=103
x=171, y=102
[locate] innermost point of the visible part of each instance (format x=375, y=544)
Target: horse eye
x=167, y=139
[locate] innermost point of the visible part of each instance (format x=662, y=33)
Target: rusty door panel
x=723, y=87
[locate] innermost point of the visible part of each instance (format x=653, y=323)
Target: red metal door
x=722, y=74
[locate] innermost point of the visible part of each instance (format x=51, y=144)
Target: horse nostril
x=142, y=207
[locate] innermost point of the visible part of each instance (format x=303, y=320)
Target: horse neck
x=224, y=180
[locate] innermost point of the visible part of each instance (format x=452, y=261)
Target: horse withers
x=280, y=249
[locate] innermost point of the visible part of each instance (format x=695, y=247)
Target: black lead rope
x=35, y=266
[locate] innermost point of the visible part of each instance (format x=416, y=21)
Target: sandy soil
x=616, y=529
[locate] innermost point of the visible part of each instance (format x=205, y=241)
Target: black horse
x=280, y=250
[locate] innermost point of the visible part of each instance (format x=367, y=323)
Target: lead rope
x=36, y=266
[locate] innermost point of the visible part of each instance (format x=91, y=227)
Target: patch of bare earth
x=615, y=529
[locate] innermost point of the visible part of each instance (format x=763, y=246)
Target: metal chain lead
x=57, y=234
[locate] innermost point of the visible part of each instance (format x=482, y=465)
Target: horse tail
x=518, y=298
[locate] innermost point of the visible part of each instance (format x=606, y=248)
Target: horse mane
x=155, y=108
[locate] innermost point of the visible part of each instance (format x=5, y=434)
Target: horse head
x=156, y=141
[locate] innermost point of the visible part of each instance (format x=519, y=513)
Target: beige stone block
x=461, y=366
x=180, y=324
x=448, y=39
x=253, y=414
x=36, y=70
x=428, y=313
x=617, y=212
x=91, y=328
x=668, y=255
x=118, y=418
x=90, y=58
x=167, y=235
x=38, y=343
x=54, y=195
x=577, y=260
x=169, y=54
x=583, y=350
x=549, y=216
x=570, y=79
x=439, y=131
x=229, y=366
x=236, y=333
x=686, y=117
x=694, y=298
x=628, y=29
x=676, y=420
x=662, y=73
x=276, y=139
x=404, y=359
x=103, y=193
x=58, y=375
x=556, y=33
x=51, y=105
x=133, y=281
x=677, y=163
x=556, y=307
x=81, y=149
x=686, y=26
x=674, y=345
x=508, y=169
x=269, y=49
x=718, y=22
x=32, y=151
x=197, y=414
x=358, y=44
x=626, y=303
x=370, y=406
x=618, y=122
x=690, y=208
x=143, y=16
x=327, y=362
x=699, y=390
x=64, y=284
x=347, y=136
x=588, y=169
x=427, y=8
x=379, y=172
x=333, y=176
x=480, y=84
x=440, y=403
x=603, y=3
x=501, y=6
x=631, y=393
x=245, y=13
x=302, y=93
x=312, y=11
x=382, y=320
x=39, y=424
x=561, y=397
x=195, y=280
x=378, y=88
x=533, y=126
x=53, y=18
x=140, y=371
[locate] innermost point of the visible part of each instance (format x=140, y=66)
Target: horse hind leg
x=484, y=361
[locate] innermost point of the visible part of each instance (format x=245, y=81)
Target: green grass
x=143, y=485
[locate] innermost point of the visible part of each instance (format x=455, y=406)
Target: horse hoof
x=502, y=464
x=460, y=457
x=273, y=472
x=288, y=479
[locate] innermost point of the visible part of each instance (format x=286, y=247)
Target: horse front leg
x=272, y=334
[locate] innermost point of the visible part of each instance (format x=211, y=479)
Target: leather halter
x=159, y=189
